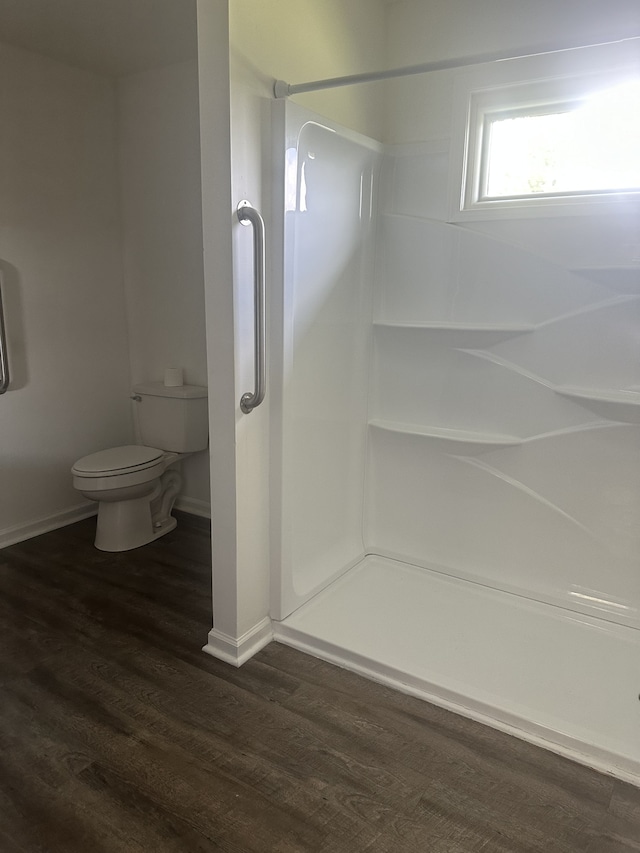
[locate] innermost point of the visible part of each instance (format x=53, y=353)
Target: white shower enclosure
x=455, y=454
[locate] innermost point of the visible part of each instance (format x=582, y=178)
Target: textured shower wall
x=504, y=407
x=505, y=389
x=328, y=202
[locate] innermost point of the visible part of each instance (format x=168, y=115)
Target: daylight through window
x=588, y=146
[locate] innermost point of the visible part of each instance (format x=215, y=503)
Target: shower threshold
x=563, y=680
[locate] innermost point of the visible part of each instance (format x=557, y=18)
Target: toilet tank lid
x=181, y=392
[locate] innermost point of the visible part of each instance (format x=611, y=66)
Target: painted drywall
x=420, y=107
x=228, y=524
x=249, y=136
x=301, y=40
x=62, y=282
x=114, y=39
x=159, y=159
x=428, y=30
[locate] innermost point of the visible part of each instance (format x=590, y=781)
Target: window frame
x=488, y=118
x=524, y=87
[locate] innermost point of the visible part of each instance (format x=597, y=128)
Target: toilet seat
x=116, y=461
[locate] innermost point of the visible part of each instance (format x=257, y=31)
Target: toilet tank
x=172, y=417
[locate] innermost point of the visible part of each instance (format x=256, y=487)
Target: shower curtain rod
x=281, y=89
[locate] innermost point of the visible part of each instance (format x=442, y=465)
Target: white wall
x=239, y=599
x=426, y=30
x=64, y=299
x=302, y=40
x=250, y=124
x=430, y=30
x=159, y=158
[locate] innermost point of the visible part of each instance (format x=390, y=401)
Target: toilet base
x=125, y=525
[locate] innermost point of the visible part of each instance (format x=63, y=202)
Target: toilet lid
x=130, y=457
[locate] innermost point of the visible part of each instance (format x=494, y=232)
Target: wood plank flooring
x=118, y=734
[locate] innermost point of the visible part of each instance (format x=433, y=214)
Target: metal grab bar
x=248, y=215
x=4, y=355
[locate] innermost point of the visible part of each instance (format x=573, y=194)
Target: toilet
x=136, y=485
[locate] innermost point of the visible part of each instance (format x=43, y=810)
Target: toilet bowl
x=135, y=487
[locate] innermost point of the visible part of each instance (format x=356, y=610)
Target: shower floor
x=564, y=680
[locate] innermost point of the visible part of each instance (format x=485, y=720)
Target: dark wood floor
x=118, y=734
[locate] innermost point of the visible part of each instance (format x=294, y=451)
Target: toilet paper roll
x=173, y=376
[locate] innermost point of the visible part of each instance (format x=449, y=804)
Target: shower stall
x=454, y=452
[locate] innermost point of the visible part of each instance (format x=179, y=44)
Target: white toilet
x=136, y=485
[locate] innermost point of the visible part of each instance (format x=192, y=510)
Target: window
x=552, y=134
x=592, y=146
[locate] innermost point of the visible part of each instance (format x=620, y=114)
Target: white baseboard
x=193, y=506
x=20, y=532
x=569, y=747
x=237, y=652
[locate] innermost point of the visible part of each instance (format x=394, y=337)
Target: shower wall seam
x=373, y=243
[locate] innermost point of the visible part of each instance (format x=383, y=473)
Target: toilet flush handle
x=136, y=397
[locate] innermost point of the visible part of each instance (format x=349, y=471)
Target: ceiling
x=111, y=37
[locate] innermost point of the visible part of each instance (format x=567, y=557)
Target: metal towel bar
x=4, y=355
x=248, y=215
